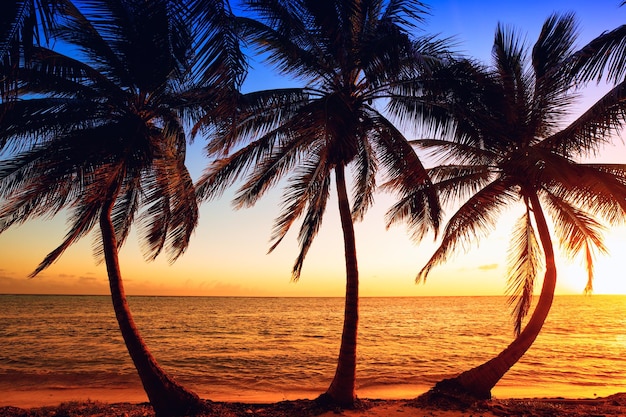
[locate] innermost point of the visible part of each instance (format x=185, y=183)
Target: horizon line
x=294, y=296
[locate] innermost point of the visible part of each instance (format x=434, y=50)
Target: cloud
x=90, y=280
x=62, y=284
x=488, y=267
x=14, y=285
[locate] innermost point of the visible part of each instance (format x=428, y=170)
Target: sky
x=228, y=256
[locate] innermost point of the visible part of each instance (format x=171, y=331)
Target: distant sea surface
x=221, y=345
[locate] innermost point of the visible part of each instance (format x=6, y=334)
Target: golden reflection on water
x=288, y=347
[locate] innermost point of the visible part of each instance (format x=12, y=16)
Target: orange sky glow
x=228, y=252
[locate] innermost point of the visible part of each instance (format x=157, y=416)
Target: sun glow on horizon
x=607, y=279
x=609, y=276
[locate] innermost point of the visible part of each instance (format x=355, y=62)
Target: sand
x=123, y=404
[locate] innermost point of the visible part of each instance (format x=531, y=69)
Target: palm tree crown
x=349, y=55
x=106, y=127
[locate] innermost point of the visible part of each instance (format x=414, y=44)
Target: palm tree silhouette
x=350, y=54
x=509, y=146
x=102, y=134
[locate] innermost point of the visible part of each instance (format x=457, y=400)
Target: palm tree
x=509, y=145
x=103, y=135
x=349, y=54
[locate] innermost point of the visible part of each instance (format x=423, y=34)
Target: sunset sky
x=228, y=253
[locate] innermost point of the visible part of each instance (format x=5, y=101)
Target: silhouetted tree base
x=451, y=394
x=330, y=404
x=180, y=402
x=204, y=407
x=191, y=407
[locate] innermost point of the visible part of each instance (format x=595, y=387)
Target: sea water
x=283, y=345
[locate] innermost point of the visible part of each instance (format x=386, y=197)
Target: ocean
x=283, y=347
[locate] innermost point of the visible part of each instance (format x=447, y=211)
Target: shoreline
x=613, y=405
x=52, y=395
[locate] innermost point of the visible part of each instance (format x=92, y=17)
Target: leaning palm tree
x=103, y=135
x=349, y=54
x=509, y=146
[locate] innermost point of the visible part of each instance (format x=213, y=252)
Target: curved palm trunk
x=168, y=398
x=342, y=388
x=479, y=381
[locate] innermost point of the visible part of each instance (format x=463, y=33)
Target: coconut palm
x=348, y=54
x=102, y=134
x=509, y=146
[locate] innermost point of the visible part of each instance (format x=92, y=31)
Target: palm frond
x=448, y=151
x=219, y=58
x=554, y=44
x=418, y=210
x=406, y=14
x=91, y=30
x=605, y=54
x=472, y=221
x=387, y=52
x=28, y=123
x=291, y=49
x=577, y=232
x=524, y=265
x=594, y=128
x=509, y=60
x=308, y=189
x=184, y=213
x=298, y=194
x=257, y=114
x=430, y=97
x=30, y=203
x=599, y=188
x=365, y=169
x=576, y=229
x=125, y=209
x=310, y=225
x=223, y=172
x=456, y=183
x=51, y=72
x=24, y=24
x=589, y=259
x=418, y=204
x=155, y=217
x=82, y=222
x=553, y=83
x=267, y=173
x=38, y=183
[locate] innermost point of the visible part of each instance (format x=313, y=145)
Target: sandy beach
x=123, y=403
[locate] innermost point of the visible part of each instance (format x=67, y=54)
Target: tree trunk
x=168, y=398
x=479, y=381
x=342, y=388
